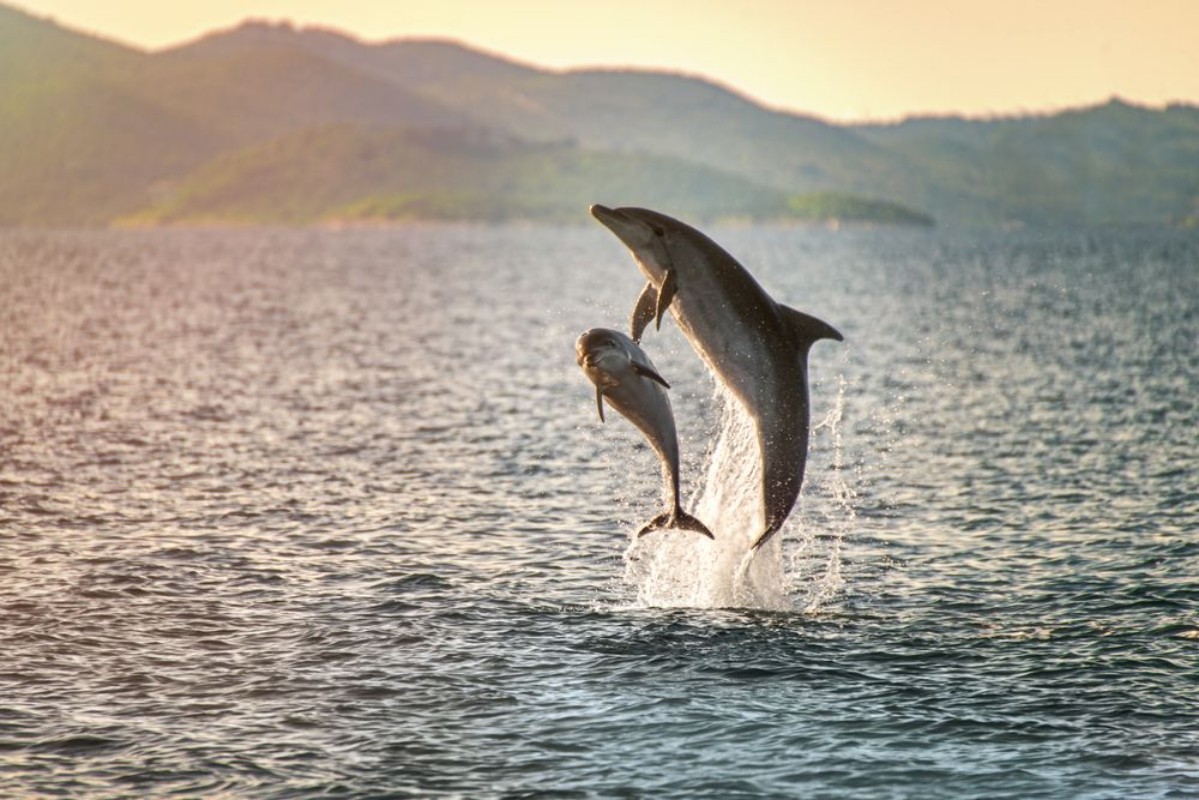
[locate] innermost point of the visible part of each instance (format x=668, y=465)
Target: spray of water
x=680, y=569
x=816, y=564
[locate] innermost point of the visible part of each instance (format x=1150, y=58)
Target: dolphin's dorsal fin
x=649, y=372
x=807, y=329
x=643, y=312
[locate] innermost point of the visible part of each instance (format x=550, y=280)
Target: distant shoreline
x=267, y=125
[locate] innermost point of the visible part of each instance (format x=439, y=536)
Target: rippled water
x=329, y=513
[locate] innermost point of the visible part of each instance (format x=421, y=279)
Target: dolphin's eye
x=659, y=231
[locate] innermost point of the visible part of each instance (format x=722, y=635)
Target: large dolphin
x=758, y=348
x=623, y=373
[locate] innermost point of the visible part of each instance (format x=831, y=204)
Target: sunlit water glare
x=290, y=513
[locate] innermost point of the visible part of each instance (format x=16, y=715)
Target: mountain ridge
x=99, y=132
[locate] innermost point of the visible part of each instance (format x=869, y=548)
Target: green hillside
x=56, y=106
x=353, y=173
x=93, y=131
x=266, y=123
x=1115, y=164
x=839, y=207
x=659, y=113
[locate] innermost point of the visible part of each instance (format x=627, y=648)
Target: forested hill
x=266, y=123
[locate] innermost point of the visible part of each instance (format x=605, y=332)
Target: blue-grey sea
x=330, y=513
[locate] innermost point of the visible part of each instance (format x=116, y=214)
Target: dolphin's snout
x=607, y=216
x=585, y=347
x=628, y=224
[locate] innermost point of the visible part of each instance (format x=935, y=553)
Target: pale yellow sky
x=842, y=60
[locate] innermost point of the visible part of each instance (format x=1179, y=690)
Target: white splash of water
x=682, y=569
x=817, y=565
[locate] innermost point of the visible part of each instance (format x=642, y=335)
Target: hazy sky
x=841, y=59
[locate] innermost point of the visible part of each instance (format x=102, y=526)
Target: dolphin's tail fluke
x=765, y=537
x=687, y=522
x=675, y=518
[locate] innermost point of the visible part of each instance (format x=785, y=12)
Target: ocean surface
x=330, y=513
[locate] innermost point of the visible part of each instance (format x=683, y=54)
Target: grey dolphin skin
x=758, y=348
x=624, y=375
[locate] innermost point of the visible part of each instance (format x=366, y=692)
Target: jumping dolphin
x=623, y=373
x=758, y=348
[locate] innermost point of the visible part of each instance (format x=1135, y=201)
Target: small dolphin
x=623, y=373
x=758, y=348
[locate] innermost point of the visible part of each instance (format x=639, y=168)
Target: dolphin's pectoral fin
x=643, y=312
x=665, y=295
x=646, y=372
x=807, y=329
x=599, y=402
x=652, y=304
